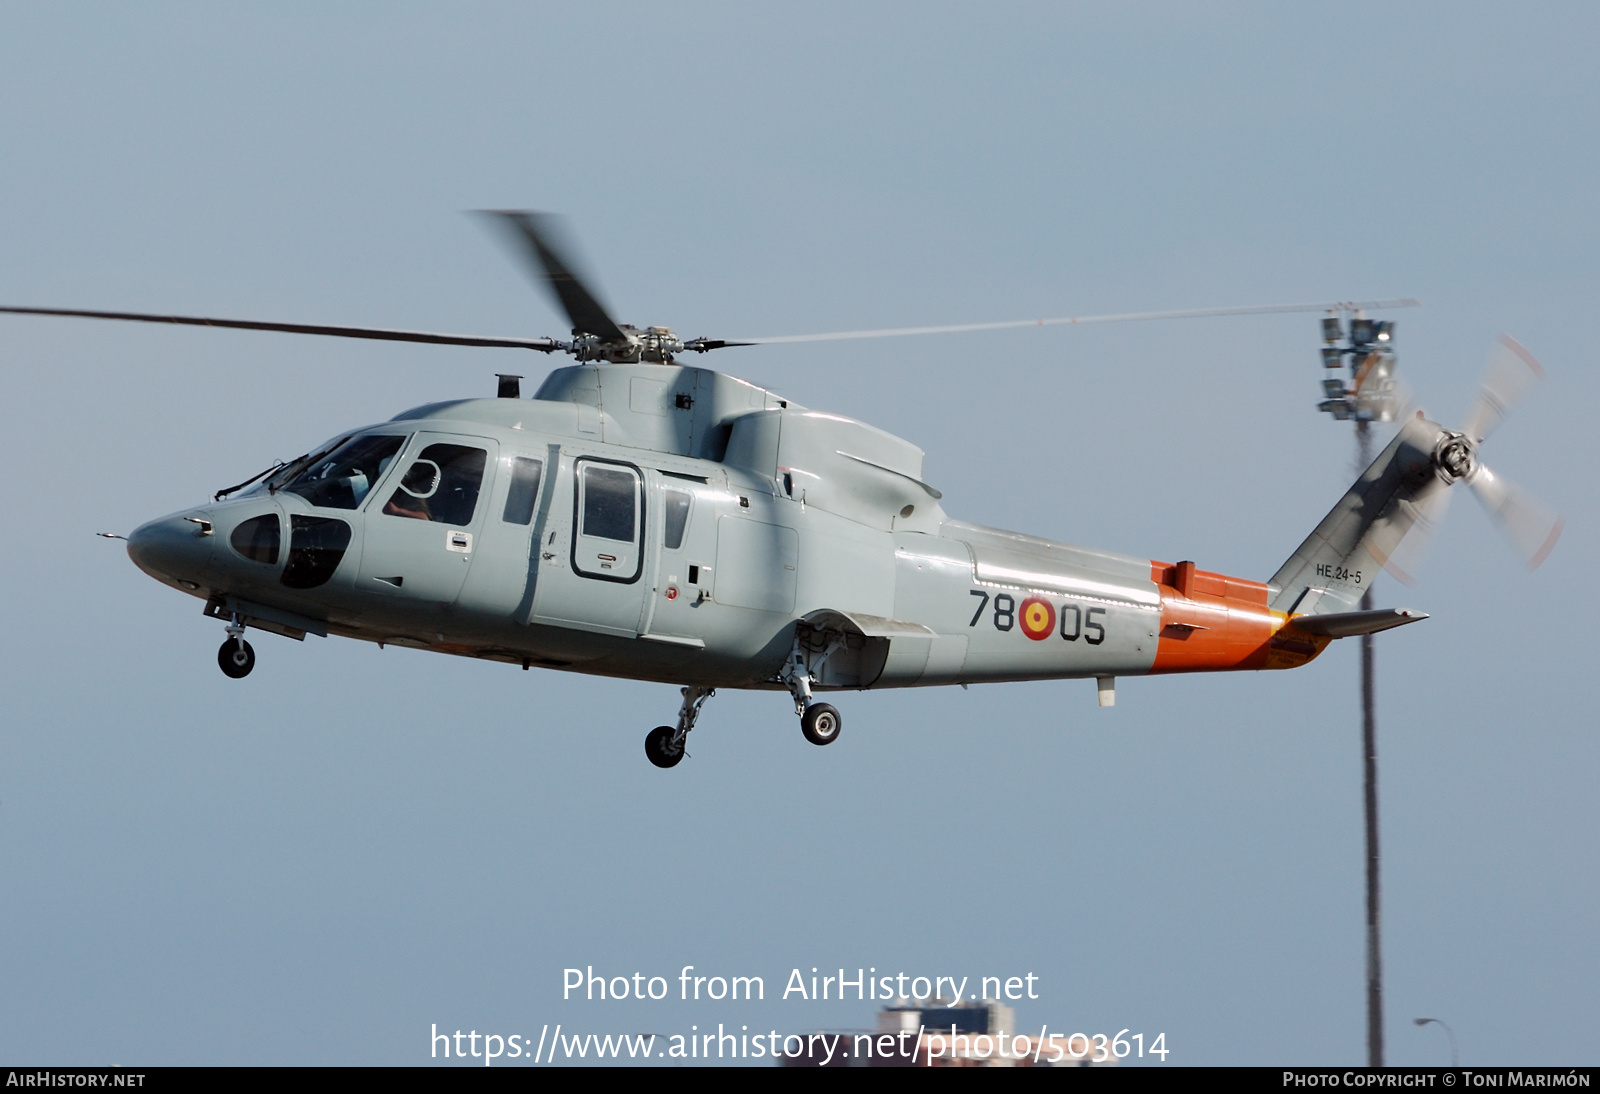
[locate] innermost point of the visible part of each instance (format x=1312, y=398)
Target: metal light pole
x=1369, y=753
x=1455, y=1049
x=1370, y=397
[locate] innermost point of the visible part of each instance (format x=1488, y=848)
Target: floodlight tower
x=1369, y=397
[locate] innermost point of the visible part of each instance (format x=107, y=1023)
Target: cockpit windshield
x=273, y=478
x=340, y=479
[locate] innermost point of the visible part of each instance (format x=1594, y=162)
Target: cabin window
x=342, y=478
x=677, y=518
x=441, y=485
x=525, y=474
x=610, y=497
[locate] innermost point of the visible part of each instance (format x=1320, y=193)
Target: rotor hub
x=653, y=345
x=1455, y=457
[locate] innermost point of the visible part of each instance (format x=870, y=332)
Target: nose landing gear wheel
x=658, y=747
x=236, y=658
x=820, y=723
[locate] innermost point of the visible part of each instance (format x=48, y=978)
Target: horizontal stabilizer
x=1350, y=624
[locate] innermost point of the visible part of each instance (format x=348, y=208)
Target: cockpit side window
x=342, y=478
x=441, y=485
x=524, y=491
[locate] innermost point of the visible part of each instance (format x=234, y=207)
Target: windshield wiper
x=225, y=491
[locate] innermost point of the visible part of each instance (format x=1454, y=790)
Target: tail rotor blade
x=1511, y=371
x=541, y=237
x=1405, y=560
x=1404, y=401
x=1531, y=526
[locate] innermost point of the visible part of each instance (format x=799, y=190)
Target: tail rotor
x=1530, y=526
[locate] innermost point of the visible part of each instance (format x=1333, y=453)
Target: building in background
x=937, y=1034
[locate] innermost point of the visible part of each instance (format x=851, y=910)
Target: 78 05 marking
x=1040, y=618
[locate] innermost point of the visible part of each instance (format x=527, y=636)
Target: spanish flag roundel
x=1038, y=618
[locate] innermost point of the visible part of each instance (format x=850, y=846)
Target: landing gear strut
x=820, y=722
x=664, y=745
x=236, y=658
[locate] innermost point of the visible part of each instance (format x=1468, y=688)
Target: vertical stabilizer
x=1337, y=562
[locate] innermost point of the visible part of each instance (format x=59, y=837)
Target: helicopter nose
x=175, y=548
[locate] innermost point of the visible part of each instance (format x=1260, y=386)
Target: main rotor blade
x=1531, y=526
x=1511, y=371
x=381, y=334
x=1068, y=320
x=540, y=234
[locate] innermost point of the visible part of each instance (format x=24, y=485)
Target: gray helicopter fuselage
x=655, y=522
x=642, y=519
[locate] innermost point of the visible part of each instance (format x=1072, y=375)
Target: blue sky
x=317, y=863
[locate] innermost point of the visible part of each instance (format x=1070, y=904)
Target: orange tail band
x=1213, y=623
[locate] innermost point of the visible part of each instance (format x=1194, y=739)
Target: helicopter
x=644, y=518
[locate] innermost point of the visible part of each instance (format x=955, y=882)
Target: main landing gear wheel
x=236, y=658
x=658, y=747
x=820, y=723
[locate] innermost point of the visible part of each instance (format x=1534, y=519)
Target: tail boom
x=1211, y=622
